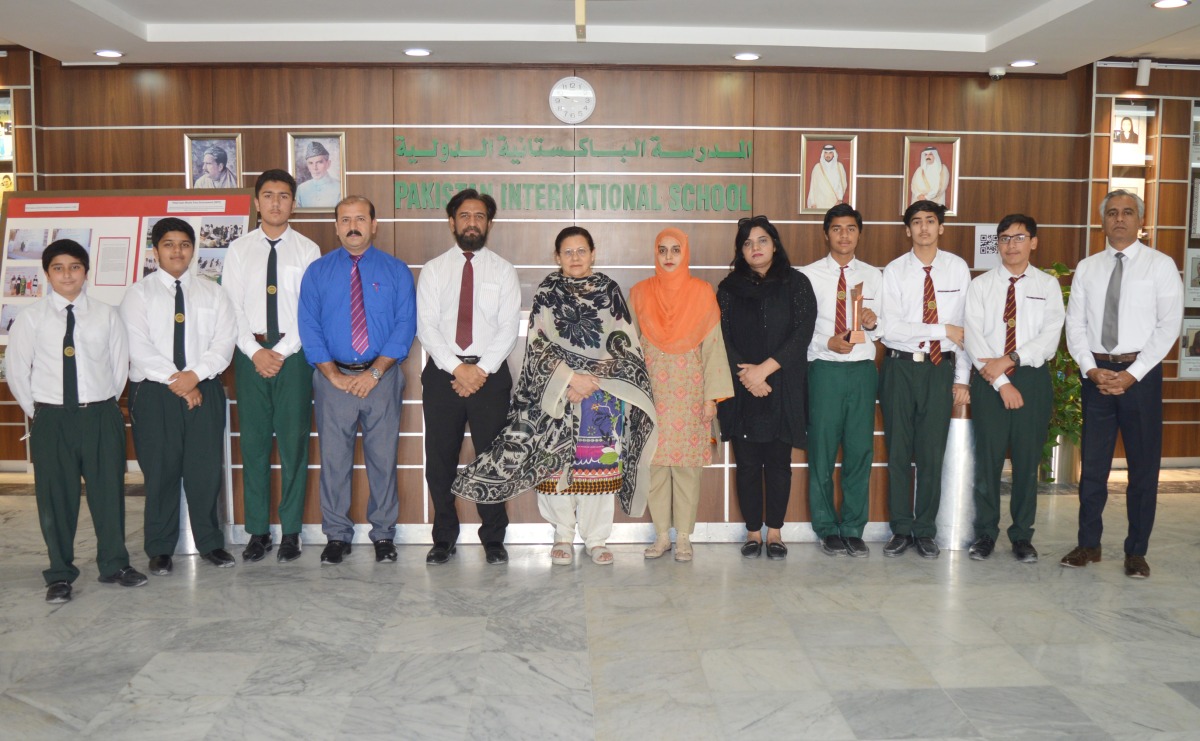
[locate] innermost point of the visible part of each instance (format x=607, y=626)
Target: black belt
x=354, y=367
x=469, y=359
x=261, y=337
x=918, y=357
x=1128, y=357
x=81, y=405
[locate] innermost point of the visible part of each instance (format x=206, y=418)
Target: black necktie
x=180, y=352
x=70, y=379
x=273, y=294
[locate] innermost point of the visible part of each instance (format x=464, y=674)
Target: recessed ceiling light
x=1024, y=63
x=1168, y=4
x=110, y=53
x=747, y=56
x=417, y=52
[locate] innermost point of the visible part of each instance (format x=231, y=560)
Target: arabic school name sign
x=566, y=192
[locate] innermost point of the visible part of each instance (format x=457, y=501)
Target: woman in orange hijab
x=680, y=327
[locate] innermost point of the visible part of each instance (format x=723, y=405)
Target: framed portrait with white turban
x=931, y=171
x=828, y=172
x=213, y=160
x=317, y=161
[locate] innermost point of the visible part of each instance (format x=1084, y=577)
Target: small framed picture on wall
x=931, y=171
x=213, y=160
x=317, y=161
x=828, y=171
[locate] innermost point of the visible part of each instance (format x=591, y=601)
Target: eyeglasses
x=748, y=219
x=1018, y=238
x=581, y=252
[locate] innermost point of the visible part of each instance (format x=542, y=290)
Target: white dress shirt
x=149, y=314
x=904, y=305
x=245, y=282
x=496, y=319
x=34, y=362
x=1150, y=314
x=824, y=275
x=1040, y=316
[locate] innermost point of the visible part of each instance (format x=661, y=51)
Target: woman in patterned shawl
x=680, y=326
x=582, y=415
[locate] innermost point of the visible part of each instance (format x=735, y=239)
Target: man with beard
x=827, y=182
x=274, y=383
x=931, y=179
x=357, y=320
x=468, y=318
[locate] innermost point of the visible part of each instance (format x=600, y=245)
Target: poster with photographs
x=317, y=162
x=1189, y=348
x=1129, y=134
x=213, y=160
x=828, y=169
x=7, y=143
x=930, y=171
x=1195, y=208
x=1191, y=278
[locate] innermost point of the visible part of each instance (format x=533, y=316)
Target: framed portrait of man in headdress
x=930, y=171
x=828, y=170
x=317, y=161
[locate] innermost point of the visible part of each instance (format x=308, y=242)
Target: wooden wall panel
x=980, y=104
x=126, y=96
x=1173, y=164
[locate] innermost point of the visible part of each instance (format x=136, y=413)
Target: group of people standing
x=615, y=399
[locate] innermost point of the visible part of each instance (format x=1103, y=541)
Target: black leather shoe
x=334, y=551
x=385, y=550
x=752, y=549
x=833, y=545
x=496, y=553
x=161, y=565
x=926, y=548
x=982, y=548
x=220, y=558
x=776, y=551
x=289, y=548
x=440, y=553
x=856, y=548
x=58, y=592
x=1024, y=552
x=126, y=577
x=256, y=549
x=897, y=545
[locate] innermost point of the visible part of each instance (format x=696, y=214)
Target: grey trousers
x=339, y=417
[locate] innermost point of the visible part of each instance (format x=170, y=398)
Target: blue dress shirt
x=324, y=313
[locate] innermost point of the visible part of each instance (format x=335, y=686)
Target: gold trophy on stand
x=856, y=335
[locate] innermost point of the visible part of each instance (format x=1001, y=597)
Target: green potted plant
x=1066, y=418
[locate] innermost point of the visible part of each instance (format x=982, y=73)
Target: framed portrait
x=7, y=144
x=1189, y=348
x=828, y=172
x=931, y=171
x=213, y=160
x=1129, y=133
x=1191, y=278
x=317, y=161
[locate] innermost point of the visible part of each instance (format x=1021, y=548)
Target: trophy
x=856, y=336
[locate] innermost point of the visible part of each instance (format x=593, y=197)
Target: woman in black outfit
x=767, y=315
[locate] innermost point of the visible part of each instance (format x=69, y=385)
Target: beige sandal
x=598, y=555
x=683, y=547
x=567, y=548
x=661, y=545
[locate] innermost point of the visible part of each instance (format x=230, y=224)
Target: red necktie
x=466, y=304
x=930, y=316
x=1010, y=320
x=839, y=315
x=358, y=312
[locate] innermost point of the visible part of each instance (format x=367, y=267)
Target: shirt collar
x=833, y=266
x=282, y=237
x=1130, y=252
x=169, y=282
x=61, y=304
x=345, y=253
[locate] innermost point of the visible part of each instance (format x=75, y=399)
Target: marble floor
x=722, y=648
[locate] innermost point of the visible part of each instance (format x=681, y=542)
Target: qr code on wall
x=988, y=245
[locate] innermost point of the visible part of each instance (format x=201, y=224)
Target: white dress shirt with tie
x=1040, y=315
x=824, y=274
x=904, y=328
x=245, y=279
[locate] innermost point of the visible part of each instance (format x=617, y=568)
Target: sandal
x=683, y=547
x=567, y=548
x=661, y=545
x=598, y=555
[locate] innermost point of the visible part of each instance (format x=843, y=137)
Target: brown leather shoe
x=1081, y=557
x=1136, y=567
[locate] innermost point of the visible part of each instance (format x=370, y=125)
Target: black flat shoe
x=220, y=558
x=832, y=545
x=161, y=565
x=856, y=548
x=1024, y=551
x=385, y=550
x=496, y=553
x=776, y=551
x=440, y=553
x=289, y=548
x=897, y=545
x=982, y=548
x=752, y=549
x=126, y=577
x=334, y=551
x=926, y=548
x=257, y=548
x=58, y=592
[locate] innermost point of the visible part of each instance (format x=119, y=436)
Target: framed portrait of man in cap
x=828, y=170
x=930, y=171
x=316, y=160
x=213, y=160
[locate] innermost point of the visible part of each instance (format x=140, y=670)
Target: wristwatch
x=1014, y=357
x=377, y=374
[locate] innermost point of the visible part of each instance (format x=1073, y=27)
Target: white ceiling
x=946, y=35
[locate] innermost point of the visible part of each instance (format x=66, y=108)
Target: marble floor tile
x=828, y=630
x=946, y=627
x=782, y=715
x=896, y=714
x=444, y=718
x=48, y=715
x=193, y=673
x=536, y=633
x=758, y=670
x=529, y=673
x=1189, y=691
x=77, y=673
x=978, y=666
x=153, y=718
x=1083, y=663
x=647, y=672
x=566, y=717
x=871, y=668
x=1025, y=713
x=662, y=715
x=438, y=634
x=280, y=718
x=1132, y=709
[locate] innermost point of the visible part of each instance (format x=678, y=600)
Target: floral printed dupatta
x=576, y=324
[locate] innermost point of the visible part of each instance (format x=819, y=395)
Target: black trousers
x=1138, y=415
x=446, y=416
x=764, y=472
